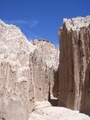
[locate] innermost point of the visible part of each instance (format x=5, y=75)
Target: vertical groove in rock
x=85, y=96
x=66, y=88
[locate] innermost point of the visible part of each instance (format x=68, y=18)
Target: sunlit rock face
x=44, y=111
x=74, y=71
x=27, y=72
x=45, y=61
x=16, y=85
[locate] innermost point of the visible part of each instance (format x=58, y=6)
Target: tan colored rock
x=16, y=86
x=74, y=83
x=26, y=72
x=44, y=111
x=45, y=61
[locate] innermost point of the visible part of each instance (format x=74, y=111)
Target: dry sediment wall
x=74, y=75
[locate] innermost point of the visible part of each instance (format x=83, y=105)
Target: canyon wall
x=74, y=70
x=26, y=72
x=16, y=85
x=45, y=61
x=29, y=69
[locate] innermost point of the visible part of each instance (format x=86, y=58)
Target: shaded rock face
x=26, y=72
x=74, y=70
x=45, y=61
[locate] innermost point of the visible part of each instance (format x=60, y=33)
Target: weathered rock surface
x=29, y=73
x=74, y=78
x=16, y=85
x=45, y=61
x=44, y=111
x=26, y=72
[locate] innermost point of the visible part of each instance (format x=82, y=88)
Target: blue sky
x=42, y=18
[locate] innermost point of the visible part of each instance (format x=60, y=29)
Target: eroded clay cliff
x=29, y=73
x=16, y=85
x=74, y=70
x=45, y=61
x=25, y=72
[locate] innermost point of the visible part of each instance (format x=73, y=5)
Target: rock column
x=74, y=64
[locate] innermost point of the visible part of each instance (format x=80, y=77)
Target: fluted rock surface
x=45, y=61
x=16, y=85
x=74, y=78
x=26, y=72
